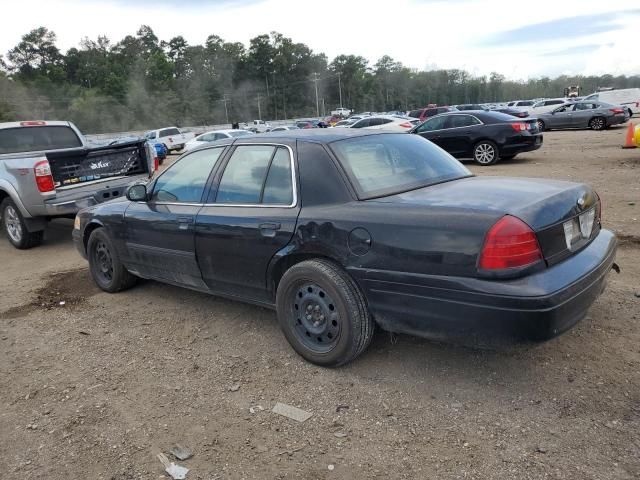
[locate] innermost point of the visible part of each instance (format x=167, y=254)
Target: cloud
x=577, y=50
x=568, y=28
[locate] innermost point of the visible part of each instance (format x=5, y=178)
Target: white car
x=282, y=128
x=345, y=123
x=214, y=136
x=387, y=122
x=171, y=137
x=544, y=106
x=521, y=105
x=627, y=97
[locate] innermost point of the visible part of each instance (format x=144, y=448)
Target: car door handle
x=184, y=222
x=269, y=229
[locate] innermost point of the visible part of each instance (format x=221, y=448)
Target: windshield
x=386, y=164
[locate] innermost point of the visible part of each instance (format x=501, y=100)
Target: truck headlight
x=76, y=223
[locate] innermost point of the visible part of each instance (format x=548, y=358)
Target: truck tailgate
x=84, y=165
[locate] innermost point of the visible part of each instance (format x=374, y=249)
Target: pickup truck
x=172, y=138
x=48, y=170
x=341, y=112
x=257, y=126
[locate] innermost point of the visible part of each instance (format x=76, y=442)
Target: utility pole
x=226, y=112
x=315, y=80
x=259, y=111
x=340, y=88
x=266, y=80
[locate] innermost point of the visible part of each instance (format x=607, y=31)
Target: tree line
x=143, y=82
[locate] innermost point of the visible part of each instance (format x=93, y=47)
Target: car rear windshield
x=386, y=164
x=30, y=139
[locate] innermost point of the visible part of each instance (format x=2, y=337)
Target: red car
x=424, y=113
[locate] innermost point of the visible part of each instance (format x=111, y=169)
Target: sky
x=518, y=38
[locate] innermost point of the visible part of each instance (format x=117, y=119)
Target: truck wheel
x=104, y=264
x=323, y=314
x=15, y=227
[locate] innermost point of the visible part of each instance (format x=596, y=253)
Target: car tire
x=597, y=123
x=323, y=313
x=541, y=125
x=15, y=228
x=105, y=266
x=485, y=153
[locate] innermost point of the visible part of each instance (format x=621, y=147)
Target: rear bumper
x=522, y=143
x=536, y=307
x=617, y=119
x=78, y=242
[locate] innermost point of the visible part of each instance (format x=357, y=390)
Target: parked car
x=522, y=105
x=214, y=136
x=386, y=122
x=584, y=114
x=305, y=124
x=172, y=138
x=486, y=137
x=627, y=97
x=346, y=123
x=363, y=228
x=511, y=111
x=423, y=113
x=282, y=128
x=469, y=106
x=544, y=106
x=48, y=170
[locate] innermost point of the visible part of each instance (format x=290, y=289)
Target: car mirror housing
x=137, y=193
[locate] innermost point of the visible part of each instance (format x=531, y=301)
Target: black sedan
x=486, y=137
x=341, y=230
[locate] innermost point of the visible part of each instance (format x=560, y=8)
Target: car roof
x=316, y=135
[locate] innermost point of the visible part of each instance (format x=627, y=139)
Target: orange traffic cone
x=630, y=141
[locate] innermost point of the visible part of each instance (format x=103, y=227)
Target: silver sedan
x=593, y=115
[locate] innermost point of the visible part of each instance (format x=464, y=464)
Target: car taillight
x=519, y=126
x=156, y=163
x=44, y=179
x=37, y=123
x=406, y=125
x=510, y=243
x=617, y=110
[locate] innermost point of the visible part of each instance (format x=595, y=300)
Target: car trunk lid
x=564, y=215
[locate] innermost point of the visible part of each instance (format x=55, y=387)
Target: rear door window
x=430, y=112
x=257, y=174
x=29, y=139
x=458, y=121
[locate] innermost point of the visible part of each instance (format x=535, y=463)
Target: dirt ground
x=95, y=388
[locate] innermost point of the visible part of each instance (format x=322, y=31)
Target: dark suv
x=424, y=113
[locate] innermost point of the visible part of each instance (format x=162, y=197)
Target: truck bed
x=84, y=165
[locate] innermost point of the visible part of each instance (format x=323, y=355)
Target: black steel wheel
x=104, y=264
x=322, y=313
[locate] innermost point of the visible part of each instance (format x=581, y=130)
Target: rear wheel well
x=289, y=261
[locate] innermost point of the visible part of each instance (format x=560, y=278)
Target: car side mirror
x=137, y=193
